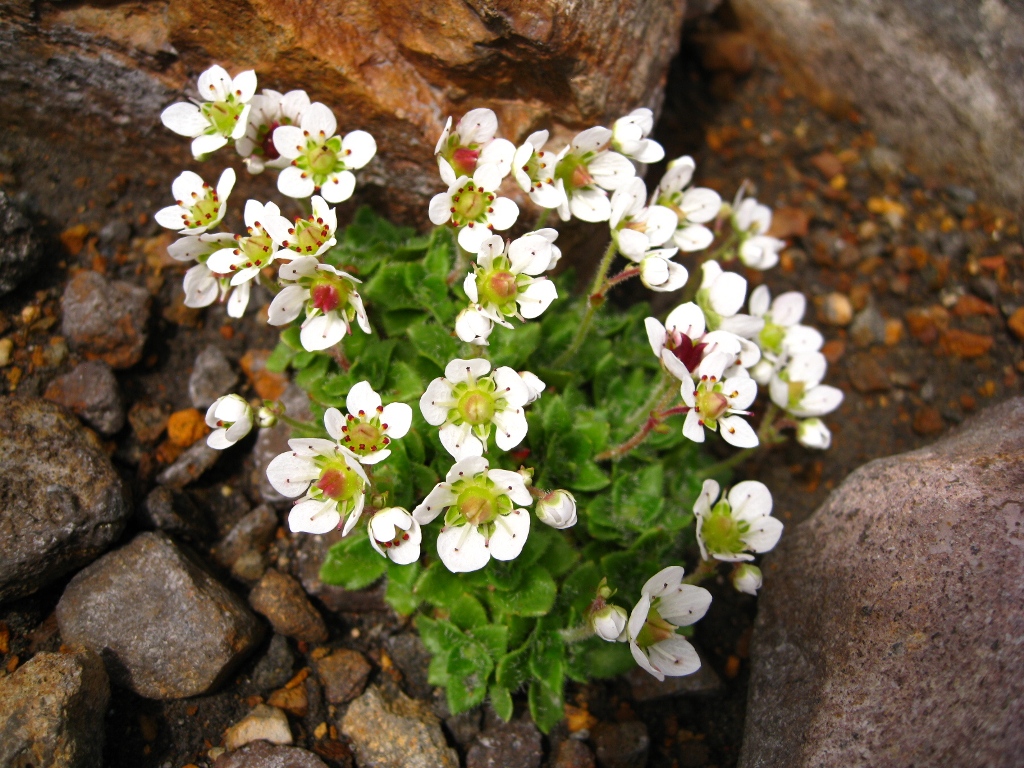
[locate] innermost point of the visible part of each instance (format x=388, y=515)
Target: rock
x=105, y=320
x=260, y=754
x=20, y=251
x=164, y=626
x=1016, y=323
x=186, y=426
x=255, y=531
x=91, y=392
x=275, y=668
x=114, y=233
x=868, y=327
x=885, y=162
x=928, y=421
x=507, y=745
x=913, y=656
x=281, y=600
x=621, y=745
x=463, y=727
x=148, y=421
x=309, y=554
x=173, y=511
x=189, y=466
x=646, y=687
x=866, y=373
x=274, y=441
x=966, y=344
x=412, y=659
x=62, y=504
x=250, y=567
x=295, y=701
x=939, y=78
x=572, y=753
x=394, y=731
x=212, y=376
x=402, y=68
x=52, y=711
x=343, y=674
x=836, y=309
x=262, y=724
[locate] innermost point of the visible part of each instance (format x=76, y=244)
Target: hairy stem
x=576, y=634
x=705, y=570
x=269, y=284
x=654, y=418
x=594, y=301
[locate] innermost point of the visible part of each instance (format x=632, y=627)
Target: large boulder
x=942, y=79
x=61, y=502
x=890, y=631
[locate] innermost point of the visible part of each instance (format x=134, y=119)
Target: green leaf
x=580, y=588
x=352, y=563
x=439, y=586
x=440, y=251
x=280, y=358
x=403, y=383
x=467, y=612
x=559, y=557
x=494, y=638
x=589, y=478
x=546, y=706
x=399, y=594
x=434, y=343
x=597, y=659
x=394, y=477
x=501, y=702
x=513, y=346
x=314, y=372
x=469, y=667
x=439, y=635
x=514, y=668
x=290, y=337
x=547, y=661
x=372, y=364
x=534, y=596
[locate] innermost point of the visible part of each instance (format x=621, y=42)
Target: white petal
x=314, y=517
x=498, y=153
x=661, y=224
x=808, y=367
x=530, y=254
x=477, y=126
x=323, y=332
x=460, y=442
x=675, y=366
x=354, y=515
x=511, y=484
x=487, y=177
x=655, y=335
x=740, y=391
x=763, y=534
x=204, y=145
x=218, y=440
x=590, y=205
x=708, y=496
x=536, y=298
x=665, y=581
x=701, y=205
x=361, y=147
x=436, y=402
x=289, y=141
x=408, y=551
x=802, y=338
x=695, y=237
x=728, y=293
x=287, y=304
x=592, y=140
x=239, y=300
x=437, y=500
x=692, y=428
x=788, y=308
x=170, y=217
x=461, y=370
x=818, y=401
x=244, y=85
x=469, y=467
x=632, y=244
x=291, y=475
x=641, y=658
x=338, y=187
x=472, y=237
x=448, y=175
x=295, y=183
x=504, y=214
x=362, y=400
x=750, y=500
x=462, y=550
x=214, y=84
x=184, y=119
x=396, y=419
x=510, y=534
x=674, y=657
x=444, y=136
x=736, y=431
x=318, y=119
x=685, y=606
x=638, y=617
x=510, y=428
x=611, y=170
x=760, y=301
x=309, y=447
x=334, y=421
x=677, y=278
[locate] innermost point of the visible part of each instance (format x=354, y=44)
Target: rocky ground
x=917, y=284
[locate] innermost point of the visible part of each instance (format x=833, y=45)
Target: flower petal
x=362, y=400
x=510, y=534
x=463, y=548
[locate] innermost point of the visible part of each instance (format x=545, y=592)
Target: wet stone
x=264, y=723
x=105, y=320
x=281, y=600
x=394, y=731
x=62, y=504
x=261, y=754
x=184, y=632
x=190, y=466
x=20, y=250
x=507, y=745
x=621, y=745
x=344, y=674
x=275, y=668
x=212, y=376
x=173, y=511
x=52, y=711
x=92, y=393
x=255, y=531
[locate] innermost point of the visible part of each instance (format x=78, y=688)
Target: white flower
x=629, y=136
x=230, y=418
x=812, y=433
x=636, y=226
x=747, y=578
x=329, y=298
x=203, y=287
x=482, y=519
x=557, y=509
x=369, y=426
x=332, y=480
x=211, y=123
x=306, y=237
x=270, y=110
x=396, y=535
x=720, y=297
x=782, y=333
x=665, y=605
x=471, y=147
x=609, y=623
x=251, y=253
x=472, y=207
x=751, y=222
x=467, y=401
x=534, y=386
x=198, y=207
x=503, y=284
x=737, y=525
x=199, y=247
x=659, y=273
x=693, y=207
x=585, y=169
x=715, y=404
x=320, y=159
x=797, y=387
x=686, y=350
x=550, y=235
x=534, y=171
x=473, y=325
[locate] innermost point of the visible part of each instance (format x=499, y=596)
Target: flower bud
x=812, y=433
x=557, y=509
x=473, y=326
x=609, y=623
x=747, y=578
x=533, y=385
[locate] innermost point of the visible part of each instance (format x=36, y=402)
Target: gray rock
x=889, y=630
x=260, y=754
x=274, y=441
x=280, y=598
x=275, y=668
x=61, y=502
x=20, y=251
x=52, y=710
x=868, y=327
x=394, y=731
x=412, y=659
x=941, y=79
x=91, y=392
x=646, y=687
x=255, y=531
x=463, y=727
x=343, y=674
x=114, y=233
x=507, y=745
x=212, y=376
x=621, y=745
x=309, y=554
x=250, y=567
x=173, y=511
x=190, y=466
x=164, y=626
x=105, y=320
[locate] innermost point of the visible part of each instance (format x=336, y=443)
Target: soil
x=938, y=271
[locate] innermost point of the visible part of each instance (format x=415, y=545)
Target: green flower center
x=479, y=503
x=655, y=629
x=204, y=211
x=722, y=532
x=771, y=337
x=223, y=115
x=470, y=204
x=498, y=287
x=710, y=403
x=307, y=236
x=365, y=437
x=254, y=251
x=476, y=406
x=321, y=158
x=572, y=170
x=339, y=482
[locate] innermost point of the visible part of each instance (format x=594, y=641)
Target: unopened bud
x=533, y=385
x=557, y=509
x=609, y=623
x=812, y=433
x=527, y=474
x=747, y=578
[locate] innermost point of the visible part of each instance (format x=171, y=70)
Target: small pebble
x=836, y=309
x=264, y=723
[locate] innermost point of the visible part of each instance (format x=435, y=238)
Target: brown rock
x=966, y=344
x=646, y=687
x=91, y=392
x=727, y=52
x=506, y=745
x=621, y=745
x=789, y=222
x=925, y=324
x=261, y=754
x=573, y=754
x=262, y=724
x=280, y=598
x=185, y=427
x=828, y=165
x=928, y=421
x=105, y=320
x=866, y=373
x=309, y=555
x=268, y=385
x=294, y=700
x=148, y=421
x=969, y=304
x=836, y=309
x=913, y=656
x=1016, y=323
x=343, y=674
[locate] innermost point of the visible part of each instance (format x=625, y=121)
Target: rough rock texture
x=253, y=532
x=61, y=502
x=942, y=79
x=52, y=710
x=190, y=466
x=344, y=674
x=262, y=724
x=274, y=441
x=394, y=731
x=646, y=687
x=275, y=668
x=260, y=754
x=212, y=376
x=163, y=625
x=507, y=745
x=621, y=745
x=174, y=511
x=394, y=67
x=92, y=393
x=310, y=553
x=19, y=248
x=105, y=320
x=912, y=571
x=280, y=598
